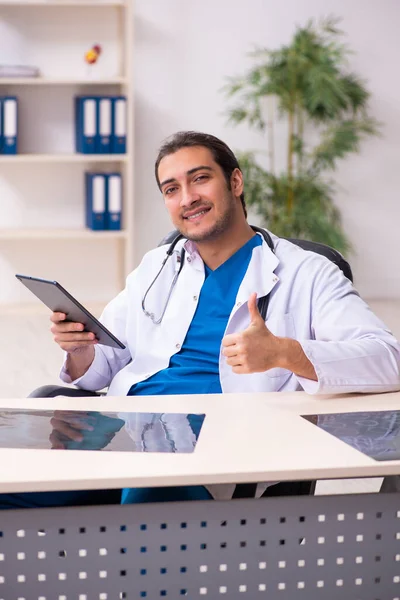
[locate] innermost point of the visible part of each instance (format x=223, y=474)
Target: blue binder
x=87, y=124
x=10, y=124
x=105, y=124
x=1, y=125
x=119, y=125
x=114, y=201
x=96, y=201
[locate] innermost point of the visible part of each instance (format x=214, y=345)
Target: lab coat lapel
x=260, y=276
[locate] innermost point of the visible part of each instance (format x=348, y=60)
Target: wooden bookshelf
x=63, y=87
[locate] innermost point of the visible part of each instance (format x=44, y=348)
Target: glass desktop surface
x=376, y=434
x=91, y=430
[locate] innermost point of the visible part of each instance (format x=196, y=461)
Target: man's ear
x=237, y=182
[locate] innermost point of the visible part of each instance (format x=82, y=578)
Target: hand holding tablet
x=55, y=297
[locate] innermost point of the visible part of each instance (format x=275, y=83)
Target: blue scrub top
x=195, y=368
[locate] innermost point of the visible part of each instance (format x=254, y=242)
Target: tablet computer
x=53, y=295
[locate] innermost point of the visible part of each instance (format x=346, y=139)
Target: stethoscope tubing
x=262, y=302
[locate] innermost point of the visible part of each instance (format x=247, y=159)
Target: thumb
x=255, y=317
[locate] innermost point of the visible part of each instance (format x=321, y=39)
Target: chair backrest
x=327, y=251
x=317, y=247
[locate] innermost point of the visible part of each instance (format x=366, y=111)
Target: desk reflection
x=92, y=430
x=374, y=433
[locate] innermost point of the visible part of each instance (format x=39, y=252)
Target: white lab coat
x=311, y=301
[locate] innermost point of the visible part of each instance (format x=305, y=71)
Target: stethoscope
x=262, y=302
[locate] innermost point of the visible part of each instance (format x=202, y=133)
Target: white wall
x=184, y=50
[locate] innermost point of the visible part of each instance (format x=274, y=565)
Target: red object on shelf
x=93, y=54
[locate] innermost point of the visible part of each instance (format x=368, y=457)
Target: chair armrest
x=50, y=391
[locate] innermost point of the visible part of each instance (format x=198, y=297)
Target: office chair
x=286, y=488
x=322, y=249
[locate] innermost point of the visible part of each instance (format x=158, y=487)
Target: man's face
x=196, y=194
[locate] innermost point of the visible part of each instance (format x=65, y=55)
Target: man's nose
x=188, y=196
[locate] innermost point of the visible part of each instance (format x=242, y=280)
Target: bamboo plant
x=308, y=84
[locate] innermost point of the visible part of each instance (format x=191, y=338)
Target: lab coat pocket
x=282, y=327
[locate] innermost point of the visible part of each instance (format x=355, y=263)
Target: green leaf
x=340, y=139
x=313, y=85
x=237, y=115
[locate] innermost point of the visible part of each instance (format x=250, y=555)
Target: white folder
x=99, y=194
x=1, y=125
x=10, y=117
x=120, y=117
x=105, y=116
x=89, y=117
x=114, y=200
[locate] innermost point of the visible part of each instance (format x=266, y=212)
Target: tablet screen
x=376, y=434
x=91, y=430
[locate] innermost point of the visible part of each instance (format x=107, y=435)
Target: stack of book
x=100, y=124
x=18, y=71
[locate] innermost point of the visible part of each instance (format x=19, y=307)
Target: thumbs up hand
x=255, y=349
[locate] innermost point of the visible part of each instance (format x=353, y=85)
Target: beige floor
x=30, y=358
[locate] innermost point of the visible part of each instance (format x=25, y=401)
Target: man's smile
x=197, y=214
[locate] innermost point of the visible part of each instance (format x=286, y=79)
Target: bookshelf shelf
x=63, y=158
x=59, y=234
x=58, y=3
x=53, y=81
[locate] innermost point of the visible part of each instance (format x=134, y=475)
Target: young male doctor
x=193, y=325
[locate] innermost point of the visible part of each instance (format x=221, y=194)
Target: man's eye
x=200, y=177
x=169, y=191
